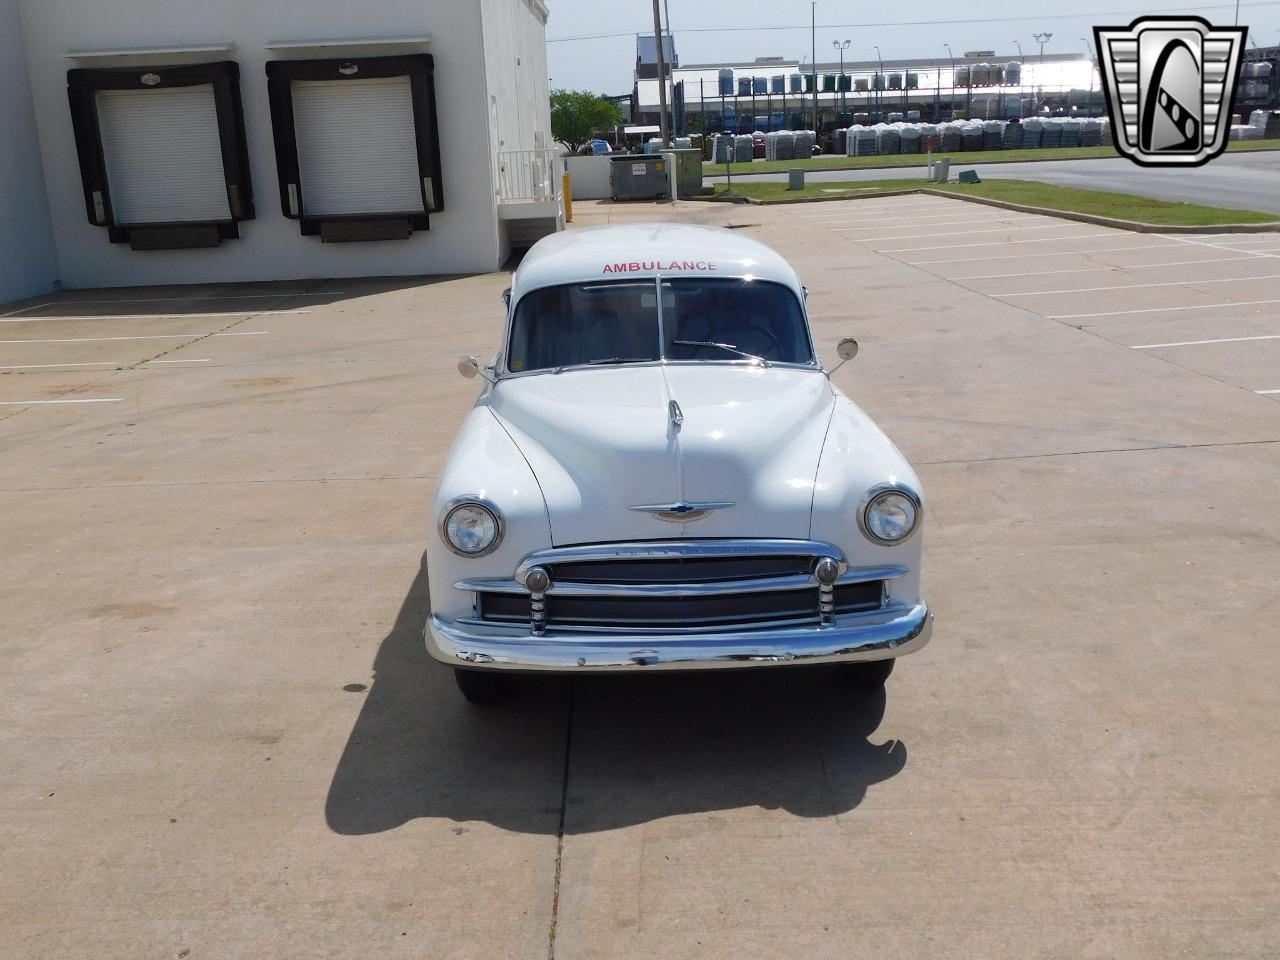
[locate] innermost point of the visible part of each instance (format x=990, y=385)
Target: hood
x=602, y=441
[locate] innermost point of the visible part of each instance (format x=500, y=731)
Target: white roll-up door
x=357, y=150
x=163, y=155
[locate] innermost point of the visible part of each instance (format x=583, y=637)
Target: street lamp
x=841, y=46
x=1021, y=55
x=1042, y=39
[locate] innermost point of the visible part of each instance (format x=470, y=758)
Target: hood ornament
x=682, y=512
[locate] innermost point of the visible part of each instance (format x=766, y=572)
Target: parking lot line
x=957, y=233
x=31, y=403
x=156, y=336
x=159, y=316
x=202, y=360
x=14, y=313
x=1029, y=256
x=1001, y=243
x=1197, y=306
x=1136, y=286
x=1196, y=343
x=1266, y=391
x=41, y=366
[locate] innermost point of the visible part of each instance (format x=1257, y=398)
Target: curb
x=1133, y=225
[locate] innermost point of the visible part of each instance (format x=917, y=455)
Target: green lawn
x=831, y=162
x=1122, y=206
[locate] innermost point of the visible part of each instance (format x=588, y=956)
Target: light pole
x=813, y=55
x=1093, y=66
x=879, y=86
x=842, y=46
x=1021, y=55
x=952, y=99
x=1042, y=39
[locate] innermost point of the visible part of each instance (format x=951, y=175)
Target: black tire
x=868, y=675
x=480, y=686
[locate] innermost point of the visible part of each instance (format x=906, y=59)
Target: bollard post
x=567, y=190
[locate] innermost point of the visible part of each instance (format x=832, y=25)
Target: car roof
x=648, y=250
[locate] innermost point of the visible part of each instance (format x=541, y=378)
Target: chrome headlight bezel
x=882, y=491
x=478, y=503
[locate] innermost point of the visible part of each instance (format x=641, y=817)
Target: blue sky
x=605, y=64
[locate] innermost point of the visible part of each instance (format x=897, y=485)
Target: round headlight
x=471, y=529
x=890, y=516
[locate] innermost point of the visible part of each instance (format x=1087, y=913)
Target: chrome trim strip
x=682, y=512
x=762, y=585
x=874, y=636
x=680, y=550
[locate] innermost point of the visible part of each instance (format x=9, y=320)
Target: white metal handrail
x=526, y=176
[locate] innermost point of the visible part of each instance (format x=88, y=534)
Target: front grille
x=681, y=570
x=723, y=610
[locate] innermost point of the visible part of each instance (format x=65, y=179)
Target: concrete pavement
x=222, y=736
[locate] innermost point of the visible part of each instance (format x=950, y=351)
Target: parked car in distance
x=660, y=475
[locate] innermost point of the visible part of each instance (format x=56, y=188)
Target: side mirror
x=846, y=350
x=468, y=366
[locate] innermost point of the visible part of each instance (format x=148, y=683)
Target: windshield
x=617, y=322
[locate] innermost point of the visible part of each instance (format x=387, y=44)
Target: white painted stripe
x=948, y=217
x=1266, y=391
x=42, y=366
x=1136, y=286
x=1031, y=256
x=204, y=360
x=1216, y=246
x=1132, y=266
x=1000, y=243
x=959, y=233
x=160, y=336
x=14, y=313
x=1196, y=343
x=161, y=316
x=29, y=403
x=237, y=296
x=1198, y=306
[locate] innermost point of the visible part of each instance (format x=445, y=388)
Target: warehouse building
x=174, y=141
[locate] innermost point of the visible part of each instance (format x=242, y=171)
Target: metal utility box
x=639, y=177
x=689, y=173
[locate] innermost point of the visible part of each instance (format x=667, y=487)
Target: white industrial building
x=739, y=95
x=175, y=141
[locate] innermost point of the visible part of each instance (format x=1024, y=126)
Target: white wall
x=28, y=261
x=515, y=63
x=462, y=239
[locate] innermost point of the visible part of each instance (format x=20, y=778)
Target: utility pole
x=813, y=56
x=664, y=130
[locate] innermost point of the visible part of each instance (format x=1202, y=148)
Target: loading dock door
x=357, y=149
x=163, y=155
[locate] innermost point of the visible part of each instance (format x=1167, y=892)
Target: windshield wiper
x=727, y=347
x=603, y=360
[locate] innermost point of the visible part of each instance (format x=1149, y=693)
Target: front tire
x=480, y=686
x=867, y=675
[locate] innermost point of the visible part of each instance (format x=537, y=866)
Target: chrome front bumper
x=879, y=635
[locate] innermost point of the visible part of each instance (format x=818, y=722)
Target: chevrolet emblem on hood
x=681, y=512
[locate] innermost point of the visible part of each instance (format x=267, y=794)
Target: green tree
x=578, y=115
